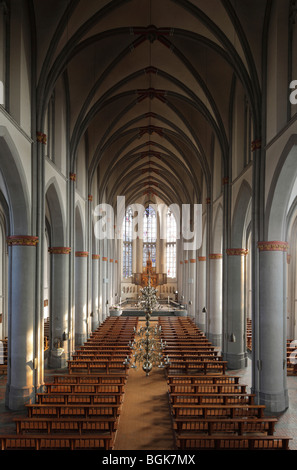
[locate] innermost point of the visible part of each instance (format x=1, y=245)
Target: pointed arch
x=240, y=214
x=57, y=216
x=218, y=230
x=279, y=195
x=14, y=178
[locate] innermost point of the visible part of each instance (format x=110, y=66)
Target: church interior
x=148, y=208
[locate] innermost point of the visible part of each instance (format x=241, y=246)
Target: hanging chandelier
x=148, y=348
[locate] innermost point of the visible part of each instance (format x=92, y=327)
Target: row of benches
x=212, y=411
x=78, y=411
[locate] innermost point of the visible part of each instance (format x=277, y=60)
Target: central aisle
x=145, y=420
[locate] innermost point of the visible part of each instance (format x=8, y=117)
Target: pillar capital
x=41, y=138
x=237, y=251
x=22, y=240
x=215, y=256
x=272, y=246
x=59, y=250
x=256, y=145
x=81, y=254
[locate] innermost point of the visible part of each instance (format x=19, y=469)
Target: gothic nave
x=145, y=136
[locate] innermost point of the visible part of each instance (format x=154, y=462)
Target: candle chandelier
x=148, y=348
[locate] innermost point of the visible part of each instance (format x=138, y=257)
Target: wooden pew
x=217, y=411
x=91, y=388
x=75, y=410
x=212, y=398
x=207, y=388
x=54, y=442
x=202, y=367
x=97, y=365
x=187, y=442
x=81, y=379
x=211, y=426
x=199, y=379
x=66, y=425
x=71, y=398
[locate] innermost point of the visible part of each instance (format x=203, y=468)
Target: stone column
x=22, y=363
x=104, y=287
x=81, y=266
x=201, y=292
x=215, y=301
x=185, y=277
x=100, y=290
x=180, y=279
x=269, y=351
x=111, y=282
x=192, y=286
x=234, y=340
x=95, y=291
x=59, y=316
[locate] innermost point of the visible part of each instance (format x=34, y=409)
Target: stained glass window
x=171, y=245
x=127, y=243
x=149, y=235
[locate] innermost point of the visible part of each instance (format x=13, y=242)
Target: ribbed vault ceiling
x=149, y=87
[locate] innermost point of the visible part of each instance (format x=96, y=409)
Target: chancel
x=118, y=121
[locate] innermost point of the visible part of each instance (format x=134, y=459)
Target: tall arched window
x=127, y=243
x=171, y=244
x=149, y=235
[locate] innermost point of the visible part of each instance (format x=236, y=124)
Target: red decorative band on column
x=186, y=261
x=59, y=250
x=41, y=138
x=216, y=256
x=81, y=254
x=95, y=256
x=104, y=258
x=208, y=200
x=90, y=197
x=202, y=258
x=111, y=260
x=273, y=246
x=225, y=180
x=22, y=240
x=192, y=261
x=237, y=251
x=116, y=261
x=72, y=176
x=181, y=262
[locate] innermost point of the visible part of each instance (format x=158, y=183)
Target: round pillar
x=234, y=337
x=201, y=292
x=215, y=301
x=59, y=315
x=269, y=352
x=192, y=287
x=104, y=288
x=22, y=359
x=95, y=292
x=81, y=266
